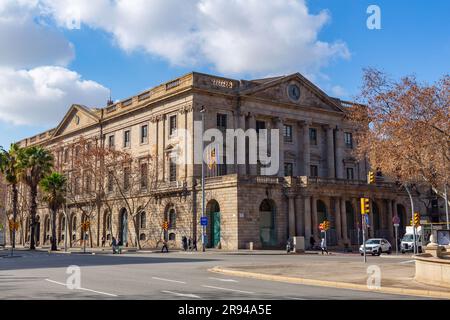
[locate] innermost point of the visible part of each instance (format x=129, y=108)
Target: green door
x=215, y=229
x=267, y=229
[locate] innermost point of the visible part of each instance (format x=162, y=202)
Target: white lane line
x=409, y=261
x=187, y=295
x=168, y=280
x=226, y=289
x=294, y=298
x=224, y=280
x=83, y=289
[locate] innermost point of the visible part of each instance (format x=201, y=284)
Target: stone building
x=318, y=177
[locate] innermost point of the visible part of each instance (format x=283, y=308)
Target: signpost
x=396, y=222
x=204, y=221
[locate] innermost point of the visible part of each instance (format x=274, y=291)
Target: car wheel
x=389, y=251
x=380, y=252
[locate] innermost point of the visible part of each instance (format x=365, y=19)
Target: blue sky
x=414, y=39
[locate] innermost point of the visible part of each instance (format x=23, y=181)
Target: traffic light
x=327, y=225
x=321, y=227
x=365, y=206
x=416, y=219
x=165, y=225
x=371, y=177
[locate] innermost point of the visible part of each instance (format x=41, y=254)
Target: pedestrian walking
x=119, y=246
x=114, y=245
x=190, y=244
x=103, y=241
x=165, y=247
x=323, y=246
x=194, y=245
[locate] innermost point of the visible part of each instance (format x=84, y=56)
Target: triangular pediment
x=278, y=89
x=76, y=118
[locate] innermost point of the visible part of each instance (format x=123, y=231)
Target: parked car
x=376, y=247
x=407, y=244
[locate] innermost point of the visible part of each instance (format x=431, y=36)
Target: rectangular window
x=260, y=125
x=221, y=121
x=110, y=181
x=348, y=140
x=313, y=136
x=350, y=174
x=66, y=155
x=88, y=182
x=127, y=139
x=287, y=133
x=288, y=170
x=144, y=175
x=314, y=171
x=126, y=178
x=172, y=169
x=172, y=125
x=144, y=134
x=111, y=141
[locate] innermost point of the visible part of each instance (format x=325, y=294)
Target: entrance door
x=123, y=232
x=215, y=229
x=267, y=224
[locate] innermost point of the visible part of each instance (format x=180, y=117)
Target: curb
x=333, y=284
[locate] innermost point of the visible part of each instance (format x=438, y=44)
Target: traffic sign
x=396, y=220
x=366, y=220
x=204, y=221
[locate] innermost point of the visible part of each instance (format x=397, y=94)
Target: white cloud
x=41, y=96
x=339, y=91
x=26, y=43
x=234, y=36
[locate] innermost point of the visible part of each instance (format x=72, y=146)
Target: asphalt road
x=158, y=276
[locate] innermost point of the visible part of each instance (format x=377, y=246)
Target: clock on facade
x=294, y=92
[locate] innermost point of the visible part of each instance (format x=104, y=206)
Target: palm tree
x=10, y=168
x=35, y=163
x=54, y=187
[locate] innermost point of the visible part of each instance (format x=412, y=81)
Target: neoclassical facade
x=318, y=176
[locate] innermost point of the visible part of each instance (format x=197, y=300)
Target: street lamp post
x=446, y=205
x=202, y=111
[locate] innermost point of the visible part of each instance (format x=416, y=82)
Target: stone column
x=340, y=153
x=306, y=149
x=307, y=203
x=315, y=223
x=252, y=125
x=300, y=217
x=344, y=219
x=330, y=151
x=292, y=232
x=242, y=170
x=337, y=220
x=389, y=223
x=280, y=126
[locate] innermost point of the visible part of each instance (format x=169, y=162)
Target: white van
x=407, y=244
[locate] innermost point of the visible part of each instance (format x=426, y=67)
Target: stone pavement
x=395, y=275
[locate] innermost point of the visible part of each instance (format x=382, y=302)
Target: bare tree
x=403, y=128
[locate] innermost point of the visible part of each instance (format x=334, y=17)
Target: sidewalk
x=396, y=278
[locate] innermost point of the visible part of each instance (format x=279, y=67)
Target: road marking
x=224, y=280
x=226, y=289
x=168, y=280
x=409, y=261
x=83, y=289
x=187, y=295
x=294, y=298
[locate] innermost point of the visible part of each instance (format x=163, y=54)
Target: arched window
x=63, y=223
x=74, y=223
x=142, y=237
x=142, y=220
x=172, y=219
x=172, y=236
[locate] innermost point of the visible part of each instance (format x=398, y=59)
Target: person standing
x=184, y=241
x=323, y=246
x=312, y=242
x=114, y=245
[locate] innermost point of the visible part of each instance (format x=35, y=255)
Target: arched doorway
x=401, y=212
x=73, y=229
x=322, y=214
x=376, y=221
x=107, y=226
x=37, y=230
x=123, y=226
x=46, y=230
x=352, y=230
x=267, y=232
x=213, y=212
